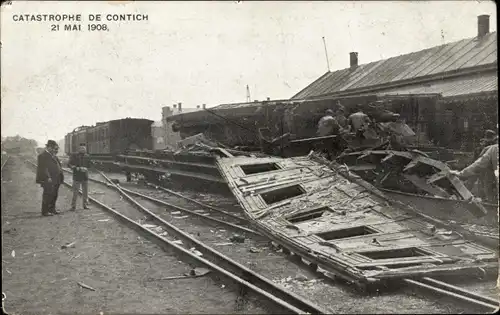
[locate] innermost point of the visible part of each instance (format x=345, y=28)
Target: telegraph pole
x=248, y=94
x=326, y=54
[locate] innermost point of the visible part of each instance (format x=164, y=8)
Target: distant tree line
x=18, y=145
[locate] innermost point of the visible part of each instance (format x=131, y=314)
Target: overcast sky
x=199, y=52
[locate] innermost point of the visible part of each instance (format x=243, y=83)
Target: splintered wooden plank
x=421, y=183
x=411, y=165
x=437, y=177
x=460, y=187
x=225, y=152
x=406, y=261
x=364, y=155
x=362, y=167
x=434, y=163
x=387, y=158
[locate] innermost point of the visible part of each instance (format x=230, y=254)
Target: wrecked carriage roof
x=336, y=220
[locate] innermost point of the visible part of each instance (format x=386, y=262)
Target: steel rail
x=166, y=204
x=273, y=296
x=461, y=291
x=5, y=162
x=230, y=264
x=455, y=292
x=163, y=203
x=197, y=202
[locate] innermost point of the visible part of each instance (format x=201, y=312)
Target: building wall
x=158, y=133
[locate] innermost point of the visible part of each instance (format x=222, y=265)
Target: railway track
x=245, y=274
x=211, y=214
x=431, y=285
x=4, y=161
x=243, y=278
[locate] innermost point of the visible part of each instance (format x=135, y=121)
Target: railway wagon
x=117, y=136
x=112, y=137
x=74, y=138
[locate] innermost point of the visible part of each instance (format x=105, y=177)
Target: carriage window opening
x=395, y=253
x=345, y=233
x=259, y=168
x=282, y=194
x=308, y=215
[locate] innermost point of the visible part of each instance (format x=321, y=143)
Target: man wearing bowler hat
x=50, y=176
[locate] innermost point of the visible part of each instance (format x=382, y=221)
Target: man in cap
x=340, y=118
x=486, y=164
x=490, y=138
x=80, y=163
x=50, y=176
x=359, y=122
x=475, y=183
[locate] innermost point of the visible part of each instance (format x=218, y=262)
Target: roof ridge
x=431, y=61
x=420, y=51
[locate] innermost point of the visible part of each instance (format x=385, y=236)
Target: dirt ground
x=39, y=276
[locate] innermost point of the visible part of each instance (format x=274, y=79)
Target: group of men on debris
x=481, y=176
x=366, y=122
x=336, y=123
x=50, y=176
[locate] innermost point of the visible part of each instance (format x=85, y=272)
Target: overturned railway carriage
x=341, y=223
x=238, y=124
x=112, y=137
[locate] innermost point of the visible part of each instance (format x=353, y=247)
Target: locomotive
x=111, y=137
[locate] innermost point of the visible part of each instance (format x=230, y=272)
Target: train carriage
x=130, y=134
x=112, y=137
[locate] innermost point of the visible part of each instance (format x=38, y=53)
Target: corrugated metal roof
x=456, y=56
x=450, y=87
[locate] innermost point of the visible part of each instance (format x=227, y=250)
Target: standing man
x=49, y=175
x=487, y=164
x=79, y=163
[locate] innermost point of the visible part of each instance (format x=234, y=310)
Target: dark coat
x=79, y=160
x=49, y=166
